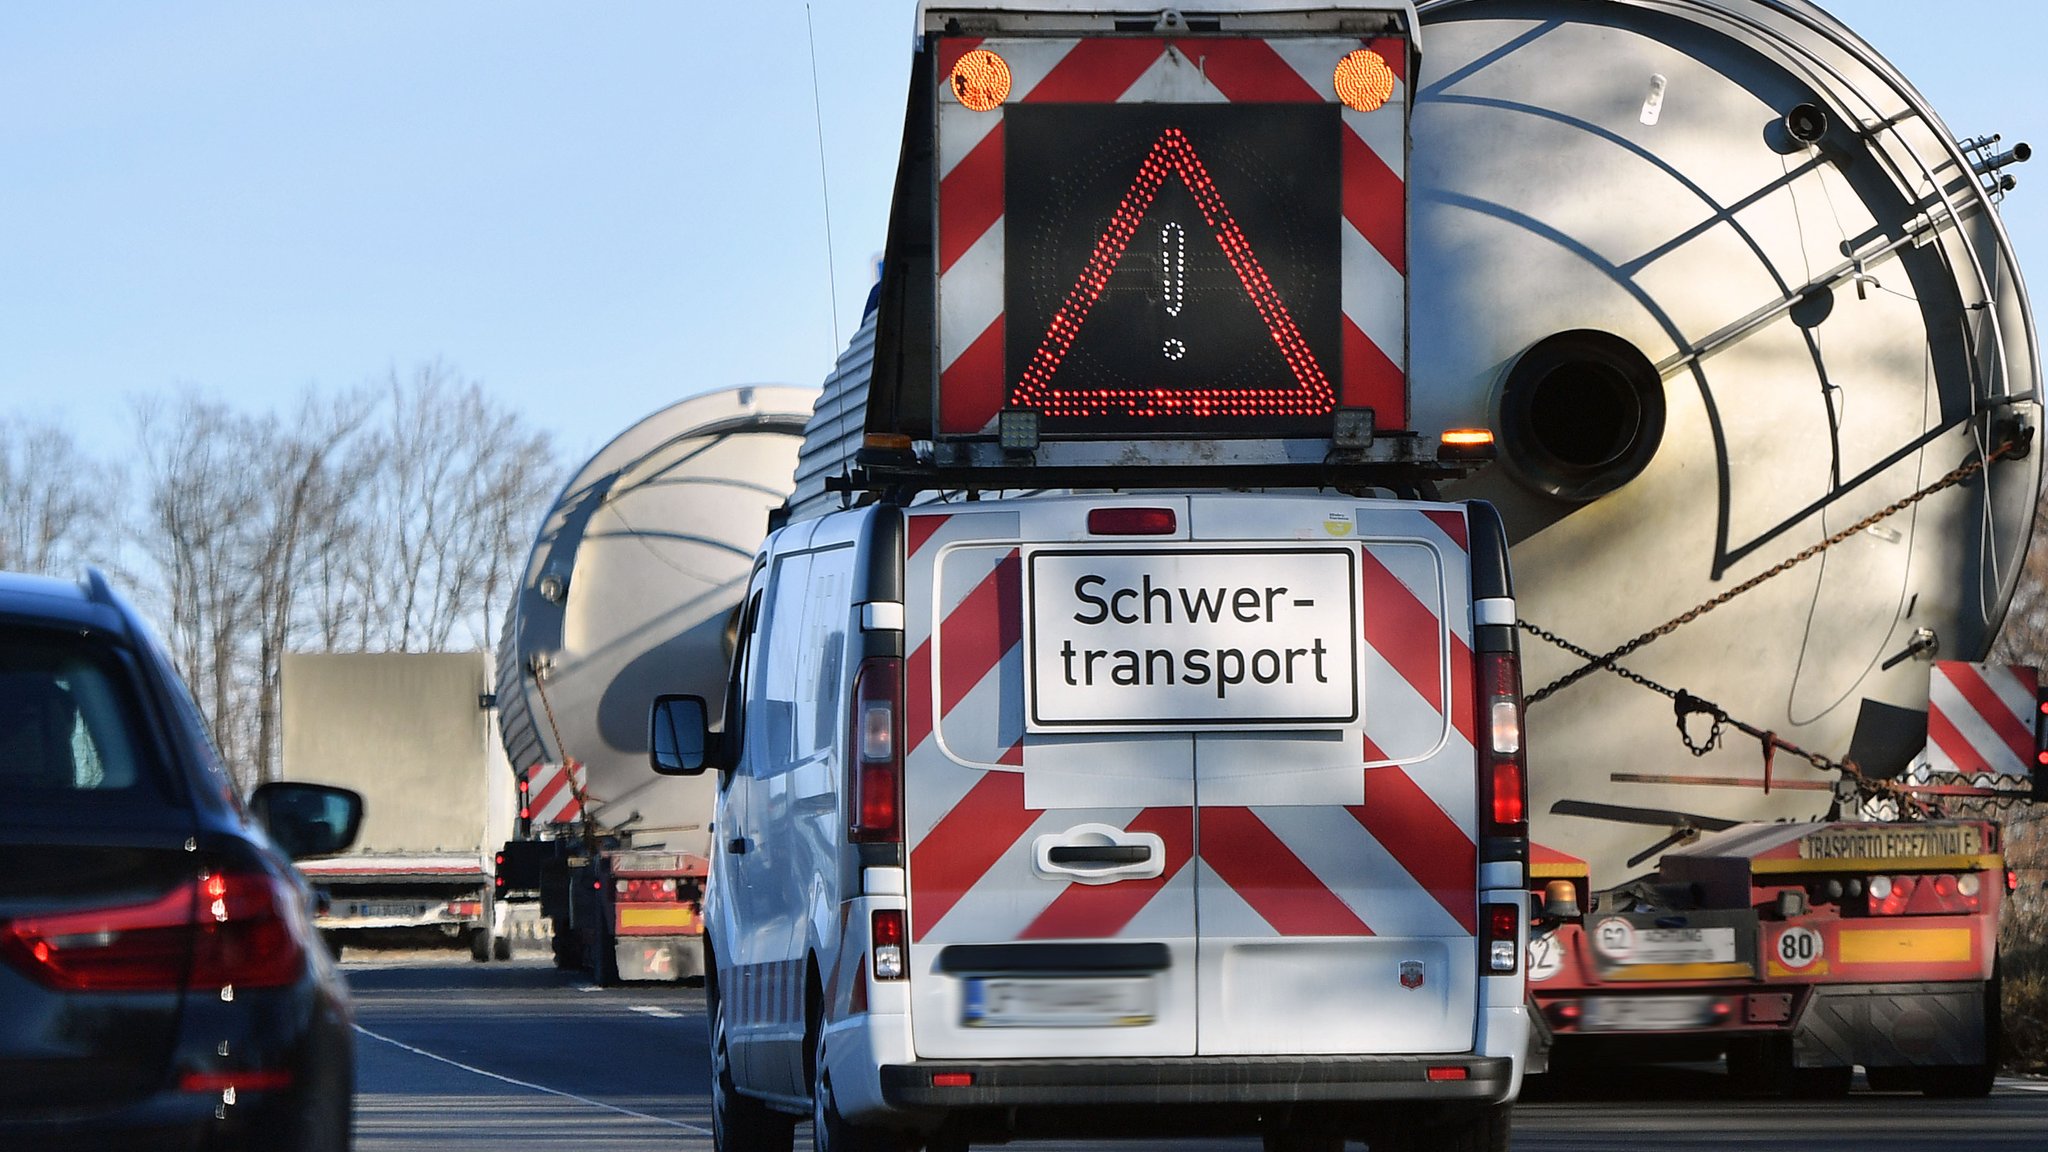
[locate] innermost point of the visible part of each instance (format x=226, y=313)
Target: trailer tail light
x=2012, y=879
x=875, y=778
x=1503, y=939
x=222, y=929
x=1502, y=759
x=885, y=930
x=645, y=891
x=1940, y=893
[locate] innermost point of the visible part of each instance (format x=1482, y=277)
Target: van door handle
x=737, y=846
x=1099, y=853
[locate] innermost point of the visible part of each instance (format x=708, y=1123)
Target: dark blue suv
x=161, y=984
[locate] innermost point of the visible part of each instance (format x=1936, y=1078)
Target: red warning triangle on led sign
x=1173, y=155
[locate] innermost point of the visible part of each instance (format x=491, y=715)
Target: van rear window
x=69, y=722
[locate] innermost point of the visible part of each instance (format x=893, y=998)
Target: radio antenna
x=824, y=186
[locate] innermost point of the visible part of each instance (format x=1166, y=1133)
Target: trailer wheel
x=480, y=944
x=501, y=947
x=568, y=949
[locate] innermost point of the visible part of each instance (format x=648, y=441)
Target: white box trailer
x=412, y=732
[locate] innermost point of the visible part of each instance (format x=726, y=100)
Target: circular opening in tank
x=1580, y=414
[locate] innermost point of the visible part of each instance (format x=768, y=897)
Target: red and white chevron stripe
x=1394, y=854
x=1980, y=722
x=973, y=384
x=550, y=794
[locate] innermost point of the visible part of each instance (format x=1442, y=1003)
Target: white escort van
x=1196, y=808
x=1118, y=814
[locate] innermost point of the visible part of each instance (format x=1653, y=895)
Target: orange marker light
x=1467, y=437
x=1364, y=81
x=981, y=80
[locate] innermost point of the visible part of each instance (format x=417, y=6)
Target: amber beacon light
x=981, y=80
x=1364, y=81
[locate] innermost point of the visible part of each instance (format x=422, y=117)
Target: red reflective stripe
x=971, y=388
x=1375, y=200
x=1395, y=52
x=951, y=49
x=1249, y=72
x=555, y=784
x=1453, y=525
x=917, y=697
x=1993, y=709
x=1942, y=733
x=1464, y=712
x=1091, y=911
x=1372, y=379
x=570, y=811
x=1096, y=71
x=1423, y=839
x=1403, y=631
x=971, y=199
x=918, y=529
x=1267, y=875
x=964, y=845
x=978, y=633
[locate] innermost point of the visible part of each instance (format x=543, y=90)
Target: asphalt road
x=455, y=1056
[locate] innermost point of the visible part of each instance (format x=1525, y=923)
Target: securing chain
x=1686, y=705
x=570, y=765
x=1594, y=663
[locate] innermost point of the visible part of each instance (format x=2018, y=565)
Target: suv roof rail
x=97, y=589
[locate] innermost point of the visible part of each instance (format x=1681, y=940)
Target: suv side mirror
x=679, y=739
x=308, y=819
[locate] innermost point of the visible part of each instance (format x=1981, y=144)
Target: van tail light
x=1502, y=950
x=874, y=811
x=221, y=929
x=886, y=935
x=1503, y=763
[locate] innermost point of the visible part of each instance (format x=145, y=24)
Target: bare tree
x=457, y=482
x=55, y=503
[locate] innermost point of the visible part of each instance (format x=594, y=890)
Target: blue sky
x=593, y=208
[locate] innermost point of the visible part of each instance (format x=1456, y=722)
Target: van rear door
x=1052, y=912
x=1337, y=890
x=1130, y=717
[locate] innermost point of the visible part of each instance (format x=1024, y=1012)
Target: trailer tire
x=604, y=960
x=480, y=945
x=568, y=948
x=501, y=947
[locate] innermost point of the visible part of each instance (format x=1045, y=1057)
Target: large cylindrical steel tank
x=628, y=593
x=1723, y=284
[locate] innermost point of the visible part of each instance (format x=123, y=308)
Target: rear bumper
x=1199, y=1080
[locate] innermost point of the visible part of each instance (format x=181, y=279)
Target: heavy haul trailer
x=1724, y=298
x=629, y=592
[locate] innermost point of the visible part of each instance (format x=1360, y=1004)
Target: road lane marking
x=532, y=1086
x=656, y=1012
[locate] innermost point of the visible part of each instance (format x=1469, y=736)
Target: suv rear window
x=69, y=722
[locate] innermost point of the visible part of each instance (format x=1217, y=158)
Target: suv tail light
x=221, y=929
x=1504, y=777
x=874, y=811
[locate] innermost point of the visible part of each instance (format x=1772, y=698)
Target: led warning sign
x=1168, y=266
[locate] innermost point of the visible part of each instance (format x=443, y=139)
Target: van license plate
x=1066, y=1002
x=1646, y=1013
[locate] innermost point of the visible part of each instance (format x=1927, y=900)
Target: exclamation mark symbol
x=1173, y=273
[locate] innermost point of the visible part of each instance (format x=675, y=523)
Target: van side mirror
x=679, y=739
x=307, y=819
